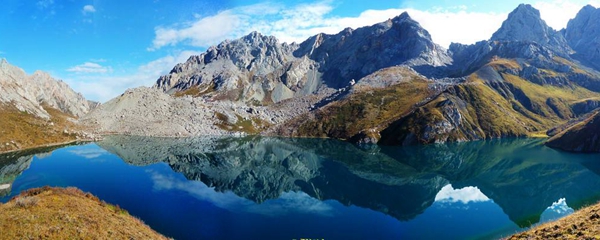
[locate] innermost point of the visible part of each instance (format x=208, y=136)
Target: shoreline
x=48, y=145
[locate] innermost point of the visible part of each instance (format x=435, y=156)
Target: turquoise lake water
x=278, y=188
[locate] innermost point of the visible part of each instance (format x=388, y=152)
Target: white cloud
x=102, y=87
x=296, y=23
x=42, y=4
x=557, y=13
x=463, y=195
x=88, y=9
x=89, y=67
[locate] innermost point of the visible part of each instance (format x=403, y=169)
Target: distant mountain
x=258, y=68
x=36, y=109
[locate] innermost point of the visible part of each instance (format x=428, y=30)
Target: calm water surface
x=274, y=188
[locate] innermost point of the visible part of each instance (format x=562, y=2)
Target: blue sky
x=103, y=47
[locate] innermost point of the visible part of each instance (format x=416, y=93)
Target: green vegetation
x=550, y=101
x=58, y=213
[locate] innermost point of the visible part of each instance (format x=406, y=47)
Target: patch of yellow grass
x=58, y=213
x=541, y=134
x=23, y=130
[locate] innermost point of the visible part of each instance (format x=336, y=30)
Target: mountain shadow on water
x=521, y=175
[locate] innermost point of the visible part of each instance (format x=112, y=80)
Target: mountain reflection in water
x=521, y=176
x=281, y=177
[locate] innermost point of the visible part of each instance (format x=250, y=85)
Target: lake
x=280, y=188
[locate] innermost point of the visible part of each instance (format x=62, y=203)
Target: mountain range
x=388, y=84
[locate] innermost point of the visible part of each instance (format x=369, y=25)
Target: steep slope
x=581, y=137
x=37, y=109
x=583, y=34
x=353, y=54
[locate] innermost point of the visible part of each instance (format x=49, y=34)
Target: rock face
x=30, y=93
x=525, y=24
x=261, y=70
x=583, y=34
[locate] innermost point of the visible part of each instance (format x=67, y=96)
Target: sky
x=103, y=47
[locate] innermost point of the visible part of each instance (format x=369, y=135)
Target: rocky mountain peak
x=525, y=24
x=402, y=17
x=30, y=93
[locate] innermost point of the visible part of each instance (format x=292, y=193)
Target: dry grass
x=368, y=109
x=58, y=213
x=20, y=130
x=250, y=126
x=583, y=224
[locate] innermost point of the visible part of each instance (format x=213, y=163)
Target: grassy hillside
x=489, y=106
x=366, y=111
x=19, y=130
x=55, y=213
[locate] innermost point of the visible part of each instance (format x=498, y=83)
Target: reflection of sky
x=464, y=195
x=88, y=152
x=557, y=210
x=287, y=203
